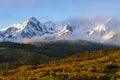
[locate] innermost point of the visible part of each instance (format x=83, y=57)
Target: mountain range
x=32, y=30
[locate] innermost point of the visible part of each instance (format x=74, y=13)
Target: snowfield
x=34, y=30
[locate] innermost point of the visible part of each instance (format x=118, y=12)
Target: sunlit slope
x=96, y=65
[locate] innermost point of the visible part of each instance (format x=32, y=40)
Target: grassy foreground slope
x=95, y=65
x=11, y=58
x=13, y=55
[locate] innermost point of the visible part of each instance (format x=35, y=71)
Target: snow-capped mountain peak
x=66, y=30
x=14, y=25
x=33, y=20
x=27, y=30
x=50, y=25
x=33, y=30
x=100, y=28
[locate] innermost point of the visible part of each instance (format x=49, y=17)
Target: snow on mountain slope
x=66, y=30
x=101, y=31
x=100, y=28
x=33, y=30
x=109, y=35
x=29, y=29
x=49, y=25
x=9, y=31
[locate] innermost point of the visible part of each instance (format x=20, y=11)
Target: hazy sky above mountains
x=12, y=11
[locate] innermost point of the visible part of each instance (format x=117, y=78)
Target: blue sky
x=12, y=11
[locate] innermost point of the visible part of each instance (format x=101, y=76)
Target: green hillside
x=13, y=58
x=89, y=65
x=13, y=55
